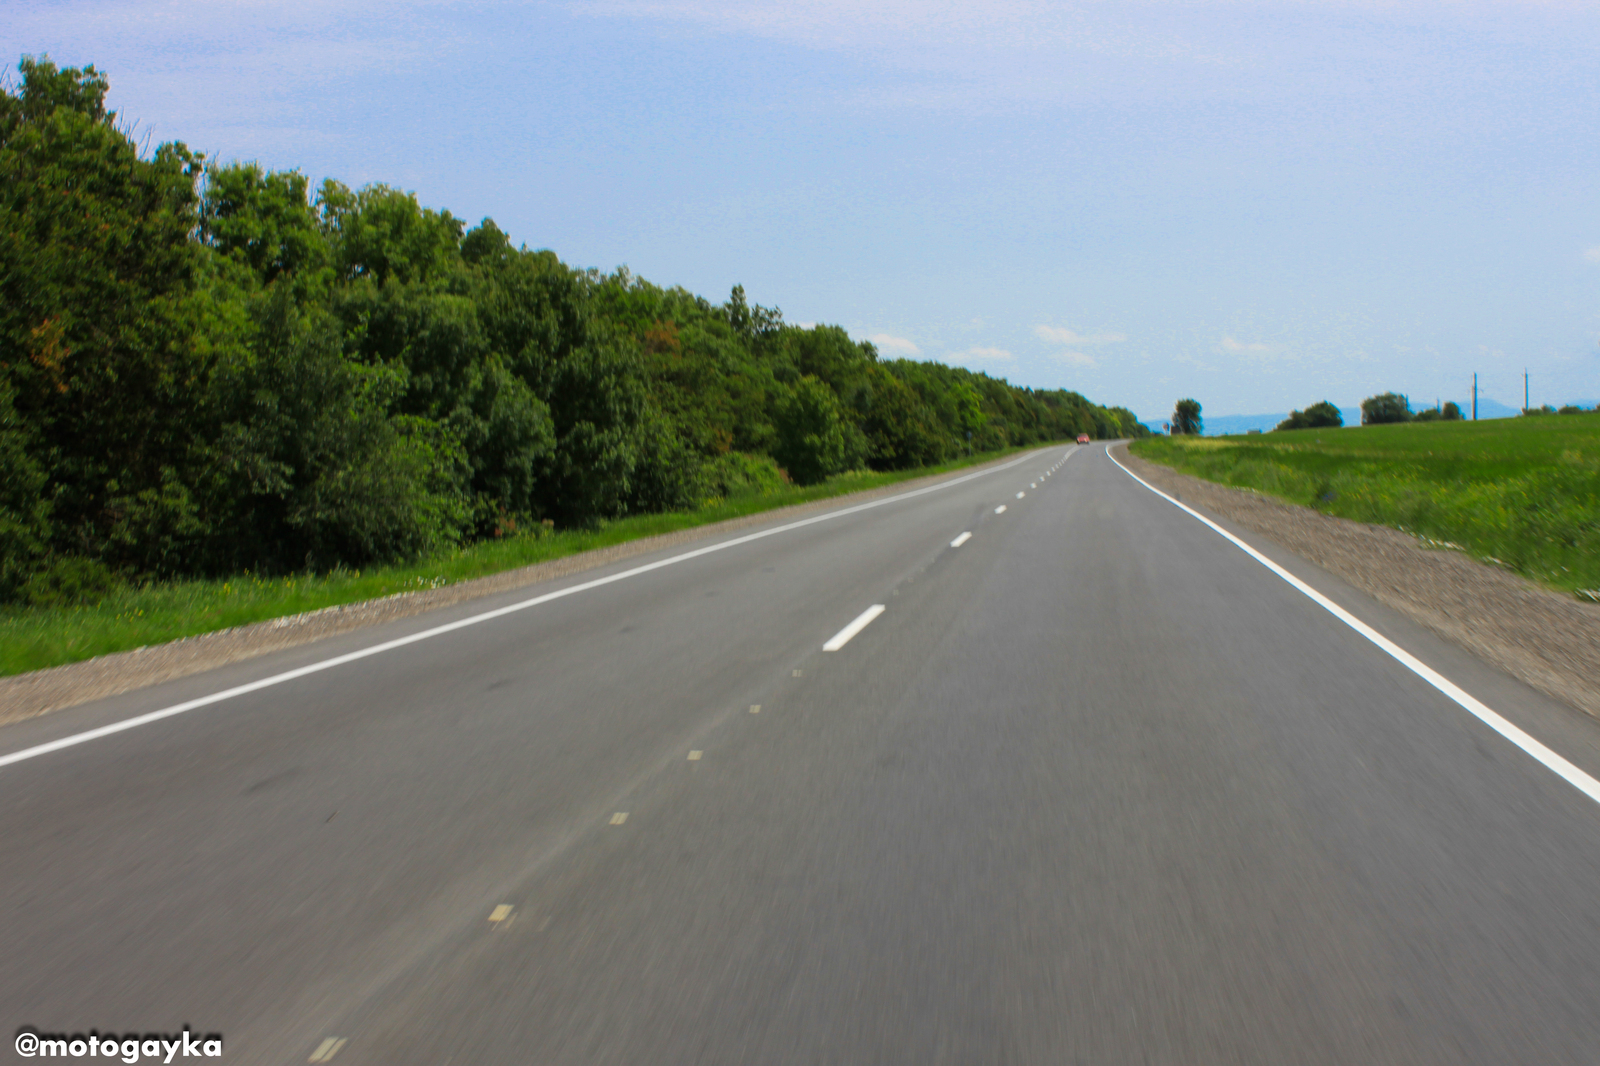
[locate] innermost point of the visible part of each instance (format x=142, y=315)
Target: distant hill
x=1224, y=425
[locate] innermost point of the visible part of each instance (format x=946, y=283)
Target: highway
x=1080, y=781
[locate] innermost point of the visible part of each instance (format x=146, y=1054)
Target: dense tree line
x=208, y=368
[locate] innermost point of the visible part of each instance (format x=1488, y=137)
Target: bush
x=742, y=474
x=815, y=439
x=1318, y=416
x=1572, y=409
x=1385, y=408
x=70, y=581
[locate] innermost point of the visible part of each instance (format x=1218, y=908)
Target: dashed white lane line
x=844, y=636
x=959, y=541
x=1033, y=485
x=1020, y=495
x=1001, y=509
x=327, y=1049
x=501, y=913
x=476, y=619
x=1553, y=762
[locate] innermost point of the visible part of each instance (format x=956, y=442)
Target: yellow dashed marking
x=694, y=756
x=755, y=708
x=619, y=817
x=500, y=913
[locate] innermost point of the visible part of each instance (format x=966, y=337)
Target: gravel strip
x=1543, y=638
x=26, y=695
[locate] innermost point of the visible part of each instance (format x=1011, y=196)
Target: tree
x=1385, y=408
x=1318, y=416
x=1186, y=418
x=1451, y=412
x=815, y=439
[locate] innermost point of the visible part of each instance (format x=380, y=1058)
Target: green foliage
x=1318, y=416
x=1451, y=412
x=739, y=474
x=69, y=581
x=1522, y=492
x=815, y=440
x=1186, y=418
x=1385, y=408
x=205, y=369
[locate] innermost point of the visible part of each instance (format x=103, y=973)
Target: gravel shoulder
x=1542, y=638
x=41, y=691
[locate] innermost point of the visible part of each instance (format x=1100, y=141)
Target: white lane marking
x=1001, y=509
x=327, y=1049
x=1034, y=485
x=462, y=623
x=500, y=913
x=1020, y=495
x=959, y=541
x=619, y=817
x=841, y=638
x=1557, y=765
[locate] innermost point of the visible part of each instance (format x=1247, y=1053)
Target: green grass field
x=1523, y=493
x=32, y=638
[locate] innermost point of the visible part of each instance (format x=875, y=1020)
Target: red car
x=1083, y=438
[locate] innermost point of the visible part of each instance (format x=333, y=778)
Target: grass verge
x=32, y=638
x=1521, y=493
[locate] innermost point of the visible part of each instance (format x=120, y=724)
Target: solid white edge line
x=462, y=623
x=959, y=541
x=1557, y=765
x=841, y=638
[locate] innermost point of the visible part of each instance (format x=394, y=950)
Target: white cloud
x=1062, y=335
x=897, y=345
x=1229, y=344
x=981, y=355
x=1076, y=359
x=1592, y=255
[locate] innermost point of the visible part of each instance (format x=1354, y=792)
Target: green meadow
x=133, y=616
x=1521, y=493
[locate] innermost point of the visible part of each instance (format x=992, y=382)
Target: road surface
x=1093, y=786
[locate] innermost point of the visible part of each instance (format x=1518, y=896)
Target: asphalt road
x=1094, y=787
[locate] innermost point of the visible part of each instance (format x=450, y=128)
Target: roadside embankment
x=40, y=691
x=1543, y=638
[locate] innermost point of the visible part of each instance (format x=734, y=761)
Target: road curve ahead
x=1029, y=767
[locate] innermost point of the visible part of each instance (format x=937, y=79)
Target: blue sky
x=1258, y=203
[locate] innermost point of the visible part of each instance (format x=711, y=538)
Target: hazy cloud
x=1229, y=344
x=898, y=345
x=1062, y=335
x=1592, y=254
x=1075, y=359
x=981, y=355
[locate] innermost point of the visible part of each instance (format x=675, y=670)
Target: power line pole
x=1524, y=390
x=1474, y=397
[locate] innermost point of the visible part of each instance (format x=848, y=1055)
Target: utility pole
x=1524, y=390
x=1474, y=397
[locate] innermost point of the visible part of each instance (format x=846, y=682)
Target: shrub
x=1385, y=408
x=815, y=439
x=1318, y=416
